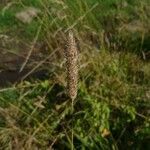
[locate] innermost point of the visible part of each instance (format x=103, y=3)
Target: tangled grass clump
x=111, y=109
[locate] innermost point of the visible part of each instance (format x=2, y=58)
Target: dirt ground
x=13, y=55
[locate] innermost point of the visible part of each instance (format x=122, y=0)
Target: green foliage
x=125, y=24
x=112, y=107
x=107, y=113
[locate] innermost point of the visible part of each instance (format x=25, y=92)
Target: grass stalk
x=72, y=71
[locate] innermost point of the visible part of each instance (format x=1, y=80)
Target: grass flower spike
x=72, y=67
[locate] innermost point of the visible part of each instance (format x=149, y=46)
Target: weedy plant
x=72, y=69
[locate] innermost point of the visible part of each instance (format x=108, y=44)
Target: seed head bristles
x=72, y=66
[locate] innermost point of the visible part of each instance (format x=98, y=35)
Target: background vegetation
x=112, y=107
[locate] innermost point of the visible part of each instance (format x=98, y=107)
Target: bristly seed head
x=72, y=66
